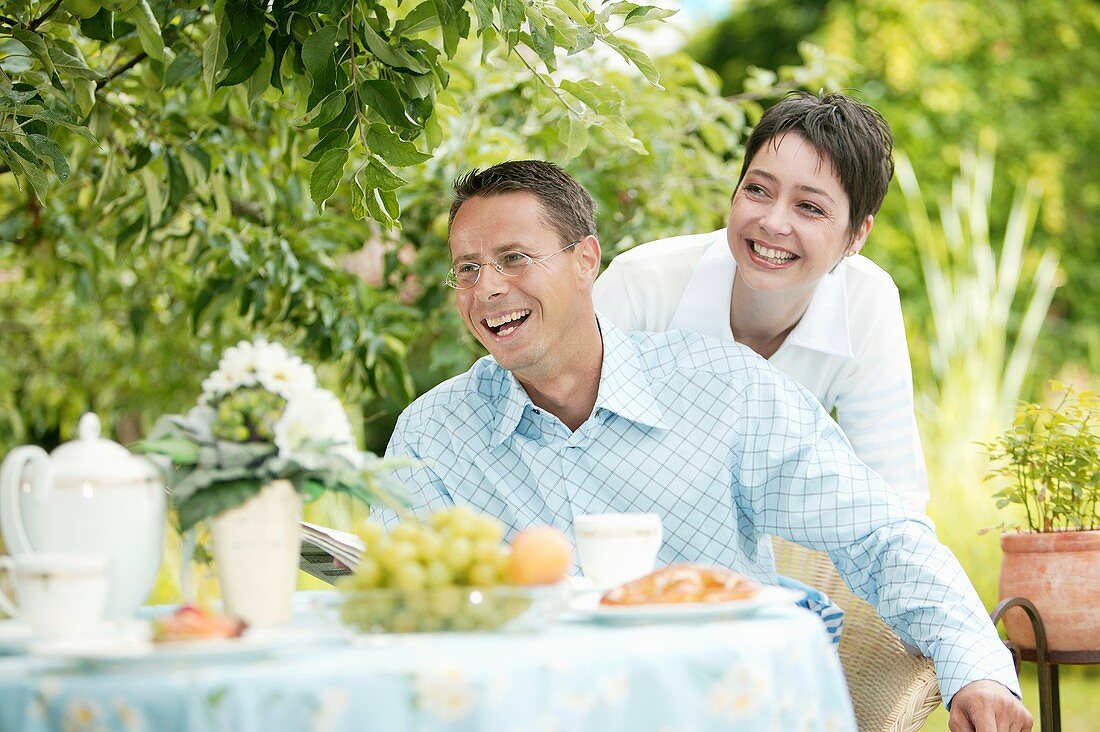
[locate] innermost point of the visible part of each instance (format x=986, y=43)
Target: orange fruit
x=541, y=555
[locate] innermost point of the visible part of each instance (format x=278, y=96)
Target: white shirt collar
x=704, y=306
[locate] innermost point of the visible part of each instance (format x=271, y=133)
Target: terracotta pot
x=1060, y=573
x=256, y=547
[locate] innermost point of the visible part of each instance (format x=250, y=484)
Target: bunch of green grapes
x=445, y=574
x=248, y=415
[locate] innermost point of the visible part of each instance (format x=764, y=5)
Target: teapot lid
x=97, y=459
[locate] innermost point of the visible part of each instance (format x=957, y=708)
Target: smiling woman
x=784, y=277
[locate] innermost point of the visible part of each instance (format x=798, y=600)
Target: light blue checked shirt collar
x=623, y=390
x=728, y=451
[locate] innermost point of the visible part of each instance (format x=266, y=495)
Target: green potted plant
x=1050, y=463
x=262, y=439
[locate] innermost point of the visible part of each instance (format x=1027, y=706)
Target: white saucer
x=14, y=636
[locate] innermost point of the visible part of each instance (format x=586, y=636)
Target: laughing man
x=570, y=415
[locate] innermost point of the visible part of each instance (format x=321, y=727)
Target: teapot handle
x=7, y=565
x=11, y=477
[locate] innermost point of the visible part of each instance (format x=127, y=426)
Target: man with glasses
x=569, y=415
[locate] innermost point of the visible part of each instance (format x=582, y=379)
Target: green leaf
x=215, y=500
x=243, y=62
x=382, y=97
x=326, y=111
x=213, y=55
x=393, y=149
x=597, y=96
x=333, y=140
x=148, y=29
x=178, y=185
x=100, y=27
x=154, y=197
x=573, y=135
x=643, y=14
x=319, y=50
x=180, y=450
x=377, y=175
x=68, y=60
x=541, y=40
x=630, y=51
x=36, y=46
x=325, y=177
x=454, y=22
x=393, y=56
x=422, y=18
x=46, y=148
x=185, y=66
x=359, y=211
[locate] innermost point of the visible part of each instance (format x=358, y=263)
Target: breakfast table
x=774, y=669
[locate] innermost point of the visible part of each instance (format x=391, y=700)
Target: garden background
x=177, y=175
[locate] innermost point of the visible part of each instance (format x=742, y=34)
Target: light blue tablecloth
x=776, y=671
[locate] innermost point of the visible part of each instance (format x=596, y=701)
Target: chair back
x=892, y=690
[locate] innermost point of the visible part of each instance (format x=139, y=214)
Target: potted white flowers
x=263, y=438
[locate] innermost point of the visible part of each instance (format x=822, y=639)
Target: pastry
x=680, y=583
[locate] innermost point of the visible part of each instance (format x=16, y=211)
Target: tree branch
x=100, y=83
x=45, y=16
x=8, y=21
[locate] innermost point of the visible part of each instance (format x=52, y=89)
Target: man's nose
x=490, y=283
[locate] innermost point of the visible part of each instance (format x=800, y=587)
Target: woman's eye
x=811, y=208
x=754, y=189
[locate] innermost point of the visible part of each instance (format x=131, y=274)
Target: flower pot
x=1060, y=573
x=256, y=546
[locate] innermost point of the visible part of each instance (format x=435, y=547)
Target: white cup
x=58, y=593
x=617, y=547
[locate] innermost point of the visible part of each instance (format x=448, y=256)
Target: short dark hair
x=853, y=136
x=567, y=207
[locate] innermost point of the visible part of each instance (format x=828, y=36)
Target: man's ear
x=588, y=258
x=861, y=235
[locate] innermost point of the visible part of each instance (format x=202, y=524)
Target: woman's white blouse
x=849, y=348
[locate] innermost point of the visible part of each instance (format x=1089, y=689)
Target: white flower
x=82, y=715
x=739, y=693
x=447, y=694
x=334, y=703
x=268, y=365
x=279, y=372
x=315, y=416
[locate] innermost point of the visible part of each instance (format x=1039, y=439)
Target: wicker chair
x=892, y=690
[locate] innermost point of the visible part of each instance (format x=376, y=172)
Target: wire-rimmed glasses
x=465, y=275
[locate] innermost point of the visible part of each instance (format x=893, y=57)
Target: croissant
x=679, y=583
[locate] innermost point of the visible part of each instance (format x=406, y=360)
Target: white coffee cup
x=617, y=547
x=58, y=593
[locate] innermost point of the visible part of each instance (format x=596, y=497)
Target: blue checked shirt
x=729, y=452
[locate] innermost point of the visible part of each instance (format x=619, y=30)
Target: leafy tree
x=177, y=175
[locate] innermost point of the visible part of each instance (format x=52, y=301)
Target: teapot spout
x=18, y=462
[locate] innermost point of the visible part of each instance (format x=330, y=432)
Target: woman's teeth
x=774, y=256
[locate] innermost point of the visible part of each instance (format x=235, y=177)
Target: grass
x=1080, y=697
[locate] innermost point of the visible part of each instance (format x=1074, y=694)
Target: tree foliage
x=199, y=173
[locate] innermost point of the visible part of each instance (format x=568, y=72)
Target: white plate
x=14, y=636
x=687, y=611
x=112, y=651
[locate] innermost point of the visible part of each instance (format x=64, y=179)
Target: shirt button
x=537, y=411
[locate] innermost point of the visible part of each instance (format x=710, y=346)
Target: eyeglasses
x=510, y=264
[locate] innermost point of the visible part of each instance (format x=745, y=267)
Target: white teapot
x=91, y=495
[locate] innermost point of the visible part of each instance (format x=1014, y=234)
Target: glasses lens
x=462, y=277
x=512, y=263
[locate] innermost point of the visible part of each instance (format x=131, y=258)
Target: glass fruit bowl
x=505, y=608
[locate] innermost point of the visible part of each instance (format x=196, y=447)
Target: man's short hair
x=853, y=136
x=566, y=206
